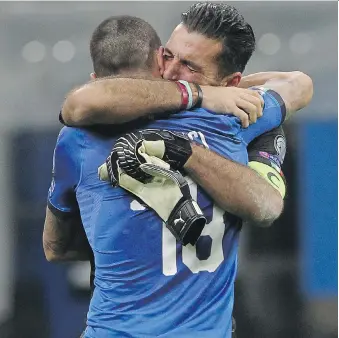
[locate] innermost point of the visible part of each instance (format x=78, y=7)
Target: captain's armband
x=271, y=175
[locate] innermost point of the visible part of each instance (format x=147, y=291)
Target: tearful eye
x=191, y=69
x=168, y=57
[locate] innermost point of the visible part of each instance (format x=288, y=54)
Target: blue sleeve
x=274, y=113
x=66, y=173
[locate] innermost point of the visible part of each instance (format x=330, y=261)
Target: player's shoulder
x=68, y=134
x=223, y=122
x=271, y=99
x=212, y=115
x=202, y=111
x=70, y=139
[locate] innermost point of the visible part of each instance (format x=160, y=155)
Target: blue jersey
x=146, y=284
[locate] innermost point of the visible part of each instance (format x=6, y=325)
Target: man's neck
x=135, y=74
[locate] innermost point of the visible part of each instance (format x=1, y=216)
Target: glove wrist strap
x=186, y=221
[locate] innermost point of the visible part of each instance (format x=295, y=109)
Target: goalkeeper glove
x=133, y=149
x=134, y=165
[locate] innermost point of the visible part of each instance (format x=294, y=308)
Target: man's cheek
x=189, y=77
x=194, y=77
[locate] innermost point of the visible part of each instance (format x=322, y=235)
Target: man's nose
x=172, y=70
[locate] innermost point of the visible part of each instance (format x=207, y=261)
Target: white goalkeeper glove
x=164, y=190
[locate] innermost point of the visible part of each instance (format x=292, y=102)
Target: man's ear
x=93, y=76
x=231, y=80
x=160, y=59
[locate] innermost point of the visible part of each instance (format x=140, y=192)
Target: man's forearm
x=234, y=187
x=295, y=88
x=78, y=248
x=259, y=79
x=119, y=100
x=65, y=239
x=296, y=91
x=57, y=251
x=71, y=255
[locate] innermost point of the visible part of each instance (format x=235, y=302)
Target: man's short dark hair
x=123, y=42
x=224, y=23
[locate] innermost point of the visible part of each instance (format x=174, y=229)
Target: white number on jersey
x=215, y=229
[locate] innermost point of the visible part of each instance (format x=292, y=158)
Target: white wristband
x=190, y=94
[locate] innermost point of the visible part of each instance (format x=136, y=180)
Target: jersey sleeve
x=66, y=174
x=266, y=155
x=274, y=113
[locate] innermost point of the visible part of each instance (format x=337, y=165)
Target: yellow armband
x=271, y=175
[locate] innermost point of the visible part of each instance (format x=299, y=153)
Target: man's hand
x=246, y=104
x=134, y=149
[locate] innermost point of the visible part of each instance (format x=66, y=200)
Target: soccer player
x=83, y=151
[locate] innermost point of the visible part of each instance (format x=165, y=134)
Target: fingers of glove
x=181, y=135
x=123, y=152
x=173, y=147
x=152, y=135
x=129, y=162
x=133, y=169
x=157, y=171
x=125, y=155
x=157, y=161
x=152, y=148
x=124, y=144
x=132, y=138
x=173, y=135
x=113, y=168
x=155, y=135
x=129, y=141
x=135, y=136
x=103, y=173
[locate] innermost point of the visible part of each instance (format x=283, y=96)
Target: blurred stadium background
x=287, y=282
